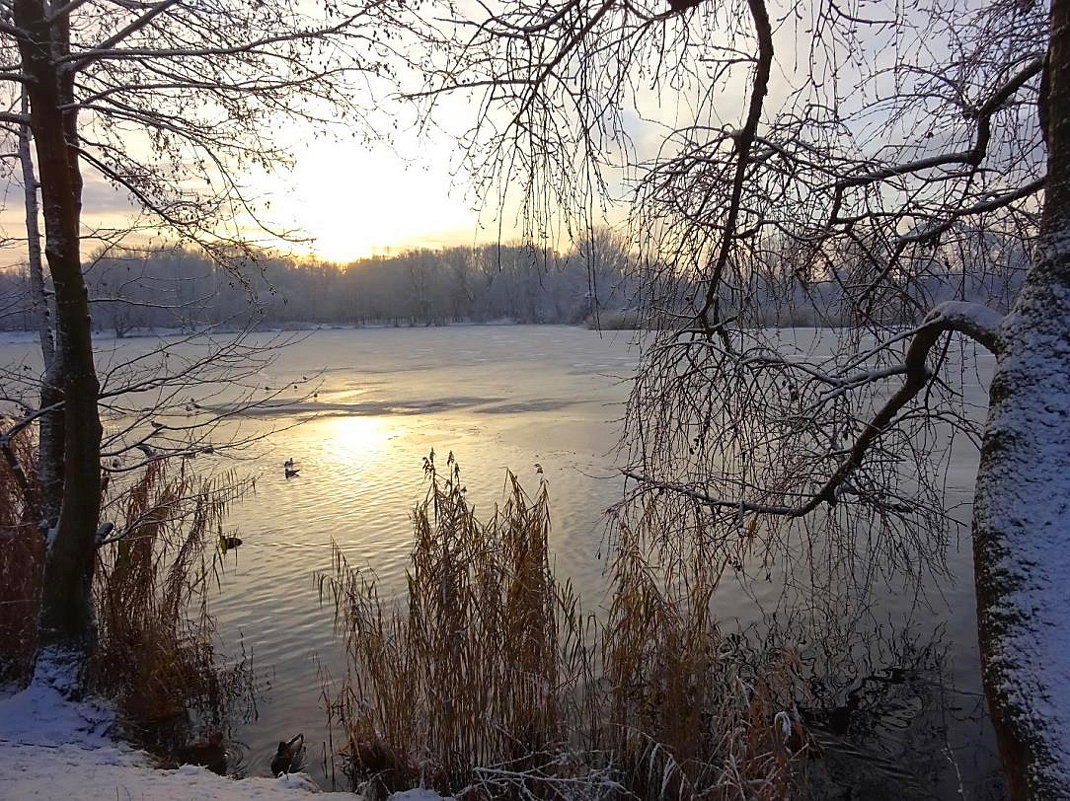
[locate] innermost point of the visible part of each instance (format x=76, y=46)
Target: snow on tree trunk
x=1022, y=510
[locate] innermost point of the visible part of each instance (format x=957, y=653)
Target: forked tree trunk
x=1022, y=510
x=66, y=616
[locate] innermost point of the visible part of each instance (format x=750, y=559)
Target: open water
x=358, y=410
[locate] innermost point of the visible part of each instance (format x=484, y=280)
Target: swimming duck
x=289, y=755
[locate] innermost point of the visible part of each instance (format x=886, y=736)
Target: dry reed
x=693, y=713
x=491, y=683
x=21, y=559
x=472, y=675
x=155, y=653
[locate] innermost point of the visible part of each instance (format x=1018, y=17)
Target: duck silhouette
x=289, y=756
x=290, y=471
x=209, y=753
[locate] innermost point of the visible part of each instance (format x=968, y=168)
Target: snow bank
x=55, y=750
x=65, y=772
x=40, y=716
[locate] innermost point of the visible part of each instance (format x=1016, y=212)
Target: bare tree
x=50, y=426
x=169, y=101
x=878, y=171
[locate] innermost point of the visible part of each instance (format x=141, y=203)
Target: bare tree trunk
x=66, y=616
x=1022, y=511
x=50, y=438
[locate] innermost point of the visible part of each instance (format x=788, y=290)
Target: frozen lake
x=511, y=397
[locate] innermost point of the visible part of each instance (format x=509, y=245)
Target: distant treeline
x=597, y=281
x=182, y=289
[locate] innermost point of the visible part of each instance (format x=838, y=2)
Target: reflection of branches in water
x=894, y=717
x=886, y=709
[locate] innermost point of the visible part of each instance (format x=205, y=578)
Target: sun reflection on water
x=358, y=436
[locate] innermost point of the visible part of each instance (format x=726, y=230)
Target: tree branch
x=743, y=140
x=975, y=320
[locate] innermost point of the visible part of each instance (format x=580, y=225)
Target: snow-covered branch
x=976, y=320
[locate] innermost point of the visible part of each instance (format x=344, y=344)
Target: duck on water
x=289, y=756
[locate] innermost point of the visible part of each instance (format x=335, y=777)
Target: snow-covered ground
x=54, y=750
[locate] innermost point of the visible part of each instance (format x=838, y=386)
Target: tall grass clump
x=478, y=671
x=486, y=680
x=156, y=646
x=693, y=713
x=22, y=549
x=153, y=573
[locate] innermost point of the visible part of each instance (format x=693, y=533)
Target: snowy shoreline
x=52, y=749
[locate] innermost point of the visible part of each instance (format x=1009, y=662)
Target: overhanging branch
x=975, y=320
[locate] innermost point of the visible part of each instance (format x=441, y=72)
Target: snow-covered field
x=55, y=750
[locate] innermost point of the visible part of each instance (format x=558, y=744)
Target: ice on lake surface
x=511, y=397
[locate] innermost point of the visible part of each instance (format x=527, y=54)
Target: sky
x=352, y=199
x=349, y=199
x=345, y=197
x=357, y=200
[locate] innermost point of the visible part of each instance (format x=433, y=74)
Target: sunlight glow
x=358, y=437
x=357, y=202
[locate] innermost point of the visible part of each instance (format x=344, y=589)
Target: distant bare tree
x=608, y=264
x=879, y=170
